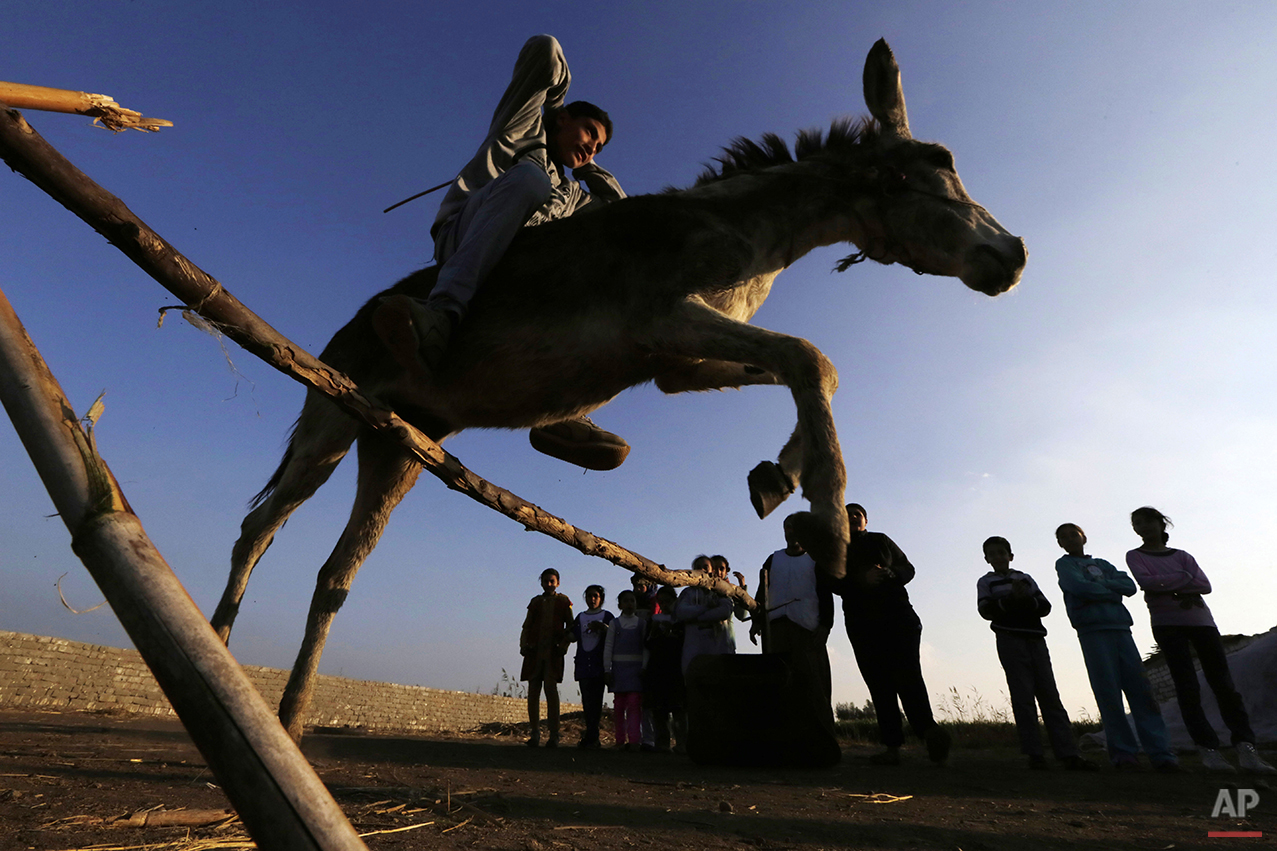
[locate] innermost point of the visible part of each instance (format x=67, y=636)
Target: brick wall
x=53, y=673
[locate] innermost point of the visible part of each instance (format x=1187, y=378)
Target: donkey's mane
x=746, y=155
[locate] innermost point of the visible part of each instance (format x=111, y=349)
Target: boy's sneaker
x=1213, y=760
x=1037, y=762
x=1078, y=763
x=1251, y=760
x=580, y=442
x=938, y=742
x=415, y=335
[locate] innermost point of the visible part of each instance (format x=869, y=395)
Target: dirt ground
x=76, y=781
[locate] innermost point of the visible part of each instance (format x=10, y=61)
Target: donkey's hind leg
x=386, y=473
x=320, y=440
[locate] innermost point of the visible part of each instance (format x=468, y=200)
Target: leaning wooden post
x=26, y=152
x=281, y=801
x=101, y=108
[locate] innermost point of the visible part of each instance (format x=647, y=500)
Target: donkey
x=650, y=288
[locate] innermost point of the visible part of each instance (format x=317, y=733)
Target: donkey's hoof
x=768, y=487
x=826, y=548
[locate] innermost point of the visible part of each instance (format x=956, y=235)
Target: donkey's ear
x=883, y=93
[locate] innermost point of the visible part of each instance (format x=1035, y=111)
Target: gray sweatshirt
x=540, y=81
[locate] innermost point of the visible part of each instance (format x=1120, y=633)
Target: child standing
x=589, y=630
x=1015, y=605
x=1173, y=587
x=543, y=642
x=623, y=658
x=664, y=695
x=706, y=618
x=1093, y=591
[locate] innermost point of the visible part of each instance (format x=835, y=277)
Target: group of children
x=1173, y=586
x=642, y=653
x=639, y=655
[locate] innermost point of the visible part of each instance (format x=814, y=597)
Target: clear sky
x=1129, y=144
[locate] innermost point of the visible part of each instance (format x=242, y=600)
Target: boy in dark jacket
x=886, y=635
x=664, y=693
x=1015, y=605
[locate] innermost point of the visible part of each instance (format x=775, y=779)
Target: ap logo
x=1234, y=807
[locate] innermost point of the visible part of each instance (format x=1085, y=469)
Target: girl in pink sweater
x=1173, y=586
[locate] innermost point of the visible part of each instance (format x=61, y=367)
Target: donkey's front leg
x=695, y=330
x=712, y=375
x=770, y=484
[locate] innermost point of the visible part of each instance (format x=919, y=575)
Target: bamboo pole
x=101, y=108
x=26, y=152
x=280, y=799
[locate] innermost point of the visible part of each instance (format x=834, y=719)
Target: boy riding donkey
x=516, y=179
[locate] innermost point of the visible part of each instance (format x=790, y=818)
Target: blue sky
x=1127, y=143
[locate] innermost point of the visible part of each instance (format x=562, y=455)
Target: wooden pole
x=26, y=152
x=281, y=801
x=101, y=108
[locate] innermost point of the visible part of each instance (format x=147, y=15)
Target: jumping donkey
x=650, y=288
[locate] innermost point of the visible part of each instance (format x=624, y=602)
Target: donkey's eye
x=941, y=158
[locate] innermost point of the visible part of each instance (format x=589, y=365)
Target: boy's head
x=719, y=566
x=792, y=544
x=641, y=584
x=667, y=597
x=997, y=552
x=701, y=564
x=857, y=516
x=549, y=580
x=1071, y=538
x=576, y=133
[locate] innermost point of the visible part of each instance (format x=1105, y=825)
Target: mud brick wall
x=1159, y=677
x=53, y=673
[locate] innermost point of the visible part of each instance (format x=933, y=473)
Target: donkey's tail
x=278, y=475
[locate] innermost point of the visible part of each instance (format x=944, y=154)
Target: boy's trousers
x=1031, y=683
x=1114, y=668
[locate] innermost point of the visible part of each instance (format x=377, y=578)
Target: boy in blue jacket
x=1093, y=591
